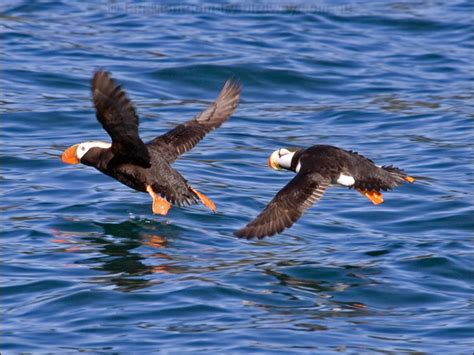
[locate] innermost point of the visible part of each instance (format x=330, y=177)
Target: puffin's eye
x=83, y=148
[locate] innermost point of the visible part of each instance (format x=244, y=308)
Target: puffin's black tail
x=398, y=174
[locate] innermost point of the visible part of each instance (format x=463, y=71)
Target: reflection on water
x=131, y=255
x=394, y=103
x=124, y=265
x=134, y=255
x=323, y=288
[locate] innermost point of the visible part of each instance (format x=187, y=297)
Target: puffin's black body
x=317, y=168
x=147, y=167
x=330, y=162
x=164, y=179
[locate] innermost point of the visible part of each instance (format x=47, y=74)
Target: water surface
x=87, y=267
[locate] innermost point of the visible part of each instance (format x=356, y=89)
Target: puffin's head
x=74, y=154
x=281, y=158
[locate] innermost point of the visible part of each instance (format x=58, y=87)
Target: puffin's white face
x=280, y=159
x=73, y=154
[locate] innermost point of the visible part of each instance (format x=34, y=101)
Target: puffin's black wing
x=117, y=115
x=287, y=206
x=185, y=136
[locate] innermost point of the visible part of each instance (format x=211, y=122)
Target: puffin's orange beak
x=269, y=161
x=69, y=155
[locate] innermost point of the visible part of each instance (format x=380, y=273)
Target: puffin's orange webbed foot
x=160, y=205
x=205, y=200
x=409, y=179
x=374, y=196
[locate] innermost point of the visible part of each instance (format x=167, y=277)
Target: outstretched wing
x=287, y=206
x=117, y=115
x=185, y=136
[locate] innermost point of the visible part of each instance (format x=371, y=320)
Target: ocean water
x=86, y=267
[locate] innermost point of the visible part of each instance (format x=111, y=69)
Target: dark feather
x=185, y=136
x=117, y=115
x=287, y=206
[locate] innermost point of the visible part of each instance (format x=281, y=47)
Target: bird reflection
x=125, y=267
x=324, y=291
x=153, y=241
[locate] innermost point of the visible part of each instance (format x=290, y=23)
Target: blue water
x=87, y=268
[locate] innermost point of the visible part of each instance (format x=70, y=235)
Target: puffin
x=317, y=168
x=147, y=167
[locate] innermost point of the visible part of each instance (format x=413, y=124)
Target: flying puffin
x=147, y=167
x=317, y=168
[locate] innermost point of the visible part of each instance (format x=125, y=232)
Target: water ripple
x=87, y=267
